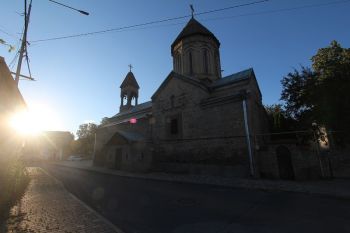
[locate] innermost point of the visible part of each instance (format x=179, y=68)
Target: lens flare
x=33, y=121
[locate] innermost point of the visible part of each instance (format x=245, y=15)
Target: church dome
x=195, y=52
x=193, y=27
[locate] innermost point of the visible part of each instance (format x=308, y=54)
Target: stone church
x=195, y=120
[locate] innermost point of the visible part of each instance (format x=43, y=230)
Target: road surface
x=150, y=206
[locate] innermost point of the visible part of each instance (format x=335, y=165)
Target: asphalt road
x=148, y=206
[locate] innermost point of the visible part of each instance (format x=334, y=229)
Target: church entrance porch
x=128, y=151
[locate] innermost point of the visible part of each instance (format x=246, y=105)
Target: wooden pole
x=24, y=39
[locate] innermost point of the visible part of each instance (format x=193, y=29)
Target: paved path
x=154, y=206
x=48, y=207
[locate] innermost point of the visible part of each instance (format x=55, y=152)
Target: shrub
x=13, y=182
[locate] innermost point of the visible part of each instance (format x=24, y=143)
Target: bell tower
x=196, y=53
x=129, y=92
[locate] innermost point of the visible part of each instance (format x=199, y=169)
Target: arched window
x=179, y=65
x=217, y=65
x=205, y=61
x=190, y=62
x=124, y=99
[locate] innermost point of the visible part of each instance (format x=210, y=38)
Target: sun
x=25, y=123
x=33, y=121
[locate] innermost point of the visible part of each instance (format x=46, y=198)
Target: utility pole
x=24, y=39
x=23, y=48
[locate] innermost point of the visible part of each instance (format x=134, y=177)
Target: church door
x=285, y=165
x=118, y=158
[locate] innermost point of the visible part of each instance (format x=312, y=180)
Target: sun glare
x=32, y=121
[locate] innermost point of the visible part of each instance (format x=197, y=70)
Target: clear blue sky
x=79, y=78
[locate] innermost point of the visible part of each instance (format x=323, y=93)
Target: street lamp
x=80, y=11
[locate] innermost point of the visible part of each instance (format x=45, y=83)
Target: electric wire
x=280, y=10
x=9, y=34
x=148, y=23
x=138, y=26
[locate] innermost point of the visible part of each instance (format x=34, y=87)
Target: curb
x=180, y=180
x=106, y=221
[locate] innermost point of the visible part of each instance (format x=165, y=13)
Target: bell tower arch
x=129, y=92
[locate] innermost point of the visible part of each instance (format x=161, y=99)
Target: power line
x=148, y=23
x=230, y=7
x=12, y=63
x=235, y=16
x=241, y=15
x=9, y=34
x=281, y=10
x=134, y=27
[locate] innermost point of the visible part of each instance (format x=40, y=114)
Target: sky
x=78, y=78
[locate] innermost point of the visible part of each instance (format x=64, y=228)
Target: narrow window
x=206, y=65
x=179, y=63
x=174, y=126
x=172, y=101
x=191, y=64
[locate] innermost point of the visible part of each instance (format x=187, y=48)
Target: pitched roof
x=240, y=76
x=193, y=27
x=247, y=74
x=130, y=80
x=181, y=77
x=131, y=136
x=138, y=111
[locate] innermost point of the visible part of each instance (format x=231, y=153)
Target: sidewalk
x=48, y=207
x=336, y=188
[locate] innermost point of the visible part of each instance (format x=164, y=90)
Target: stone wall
x=210, y=133
x=304, y=161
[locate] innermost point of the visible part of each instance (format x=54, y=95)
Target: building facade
x=11, y=101
x=196, y=116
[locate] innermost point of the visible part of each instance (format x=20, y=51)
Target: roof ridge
x=235, y=77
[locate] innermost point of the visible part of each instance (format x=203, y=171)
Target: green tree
x=297, y=92
x=278, y=118
x=10, y=47
x=86, y=130
x=104, y=121
x=320, y=93
x=86, y=139
x=332, y=97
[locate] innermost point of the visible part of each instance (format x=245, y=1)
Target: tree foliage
x=296, y=92
x=86, y=130
x=10, y=47
x=86, y=139
x=320, y=93
x=104, y=121
x=278, y=118
x=332, y=65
